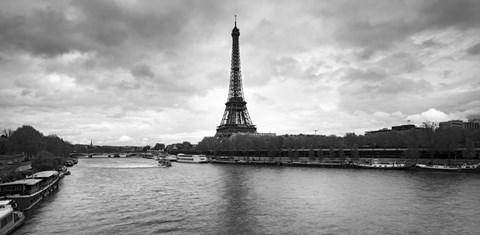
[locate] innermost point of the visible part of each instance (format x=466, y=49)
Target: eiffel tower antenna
x=235, y=118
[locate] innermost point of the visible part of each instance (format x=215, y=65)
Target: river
x=134, y=196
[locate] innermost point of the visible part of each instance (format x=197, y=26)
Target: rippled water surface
x=134, y=196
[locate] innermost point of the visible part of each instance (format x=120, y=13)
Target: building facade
x=471, y=125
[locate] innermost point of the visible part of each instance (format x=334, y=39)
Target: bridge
x=107, y=155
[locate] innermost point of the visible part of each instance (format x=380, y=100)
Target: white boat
x=385, y=166
x=191, y=158
x=171, y=158
x=466, y=167
x=375, y=164
x=446, y=167
x=10, y=217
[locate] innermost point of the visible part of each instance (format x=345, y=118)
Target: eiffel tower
x=235, y=118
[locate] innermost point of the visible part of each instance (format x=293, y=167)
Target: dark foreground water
x=134, y=196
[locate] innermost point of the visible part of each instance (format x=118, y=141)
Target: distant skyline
x=145, y=72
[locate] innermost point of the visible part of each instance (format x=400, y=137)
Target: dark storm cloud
x=378, y=31
x=45, y=32
x=430, y=43
x=105, y=26
x=109, y=24
x=446, y=13
x=142, y=70
x=474, y=50
x=374, y=36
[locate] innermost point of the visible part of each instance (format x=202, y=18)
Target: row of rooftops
x=471, y=125
x=394, y=128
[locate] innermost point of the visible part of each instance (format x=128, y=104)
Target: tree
x=355, y=154
x=341, y=153
x=331, y=152
x=296, y=155
x=186, y=145
x=469, y=152
x=447, y=140
x=3, y=145
x=7, y=133
x=311, y=154
x=271, y=156
x=350, y=139
x=412, y=154
x=429, y=129
x=158, y=146
x=28, y=140
x=45, y=161
x=57, y=146
x=320, y=155
x=207, y=144
x=146, y=148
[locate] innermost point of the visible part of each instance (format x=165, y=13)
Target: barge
x=30, y=191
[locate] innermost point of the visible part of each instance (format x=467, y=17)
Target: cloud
x=379, y=25
x=441, y=14
x=142, y=70
x=431, y=115
x=160, y=70
x=364, y=75
x=125, y=138
x=474, y=50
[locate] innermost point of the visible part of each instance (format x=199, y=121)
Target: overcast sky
x=145, y=72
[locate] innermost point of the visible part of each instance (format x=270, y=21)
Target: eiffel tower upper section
x=235, y=118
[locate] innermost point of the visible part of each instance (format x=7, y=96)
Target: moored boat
x=171, y=158
x=10, y=217
x=470, y=168
x=191, y=158
x=69, y=163
x=164, y=163
x=63, y=171
x=28, y=192
x=377, y=165
x=445, y=167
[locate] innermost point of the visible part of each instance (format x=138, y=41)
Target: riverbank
x=337, y=163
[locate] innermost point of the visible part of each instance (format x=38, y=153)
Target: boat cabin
x=47, y=177
x=10, y=219
x=21, y=187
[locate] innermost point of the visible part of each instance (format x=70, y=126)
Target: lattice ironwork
x=235, y=118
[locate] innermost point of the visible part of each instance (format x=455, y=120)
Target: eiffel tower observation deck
x=235, y=118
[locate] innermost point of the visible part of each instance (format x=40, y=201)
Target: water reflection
x=238, y=216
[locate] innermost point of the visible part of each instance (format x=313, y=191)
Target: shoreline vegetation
x=26, y=151
x=427, y=143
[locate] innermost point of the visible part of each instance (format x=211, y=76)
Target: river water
x=134, y=196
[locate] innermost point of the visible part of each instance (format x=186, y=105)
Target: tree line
x=429, y=137
x=45, y=152
x=29, y=141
